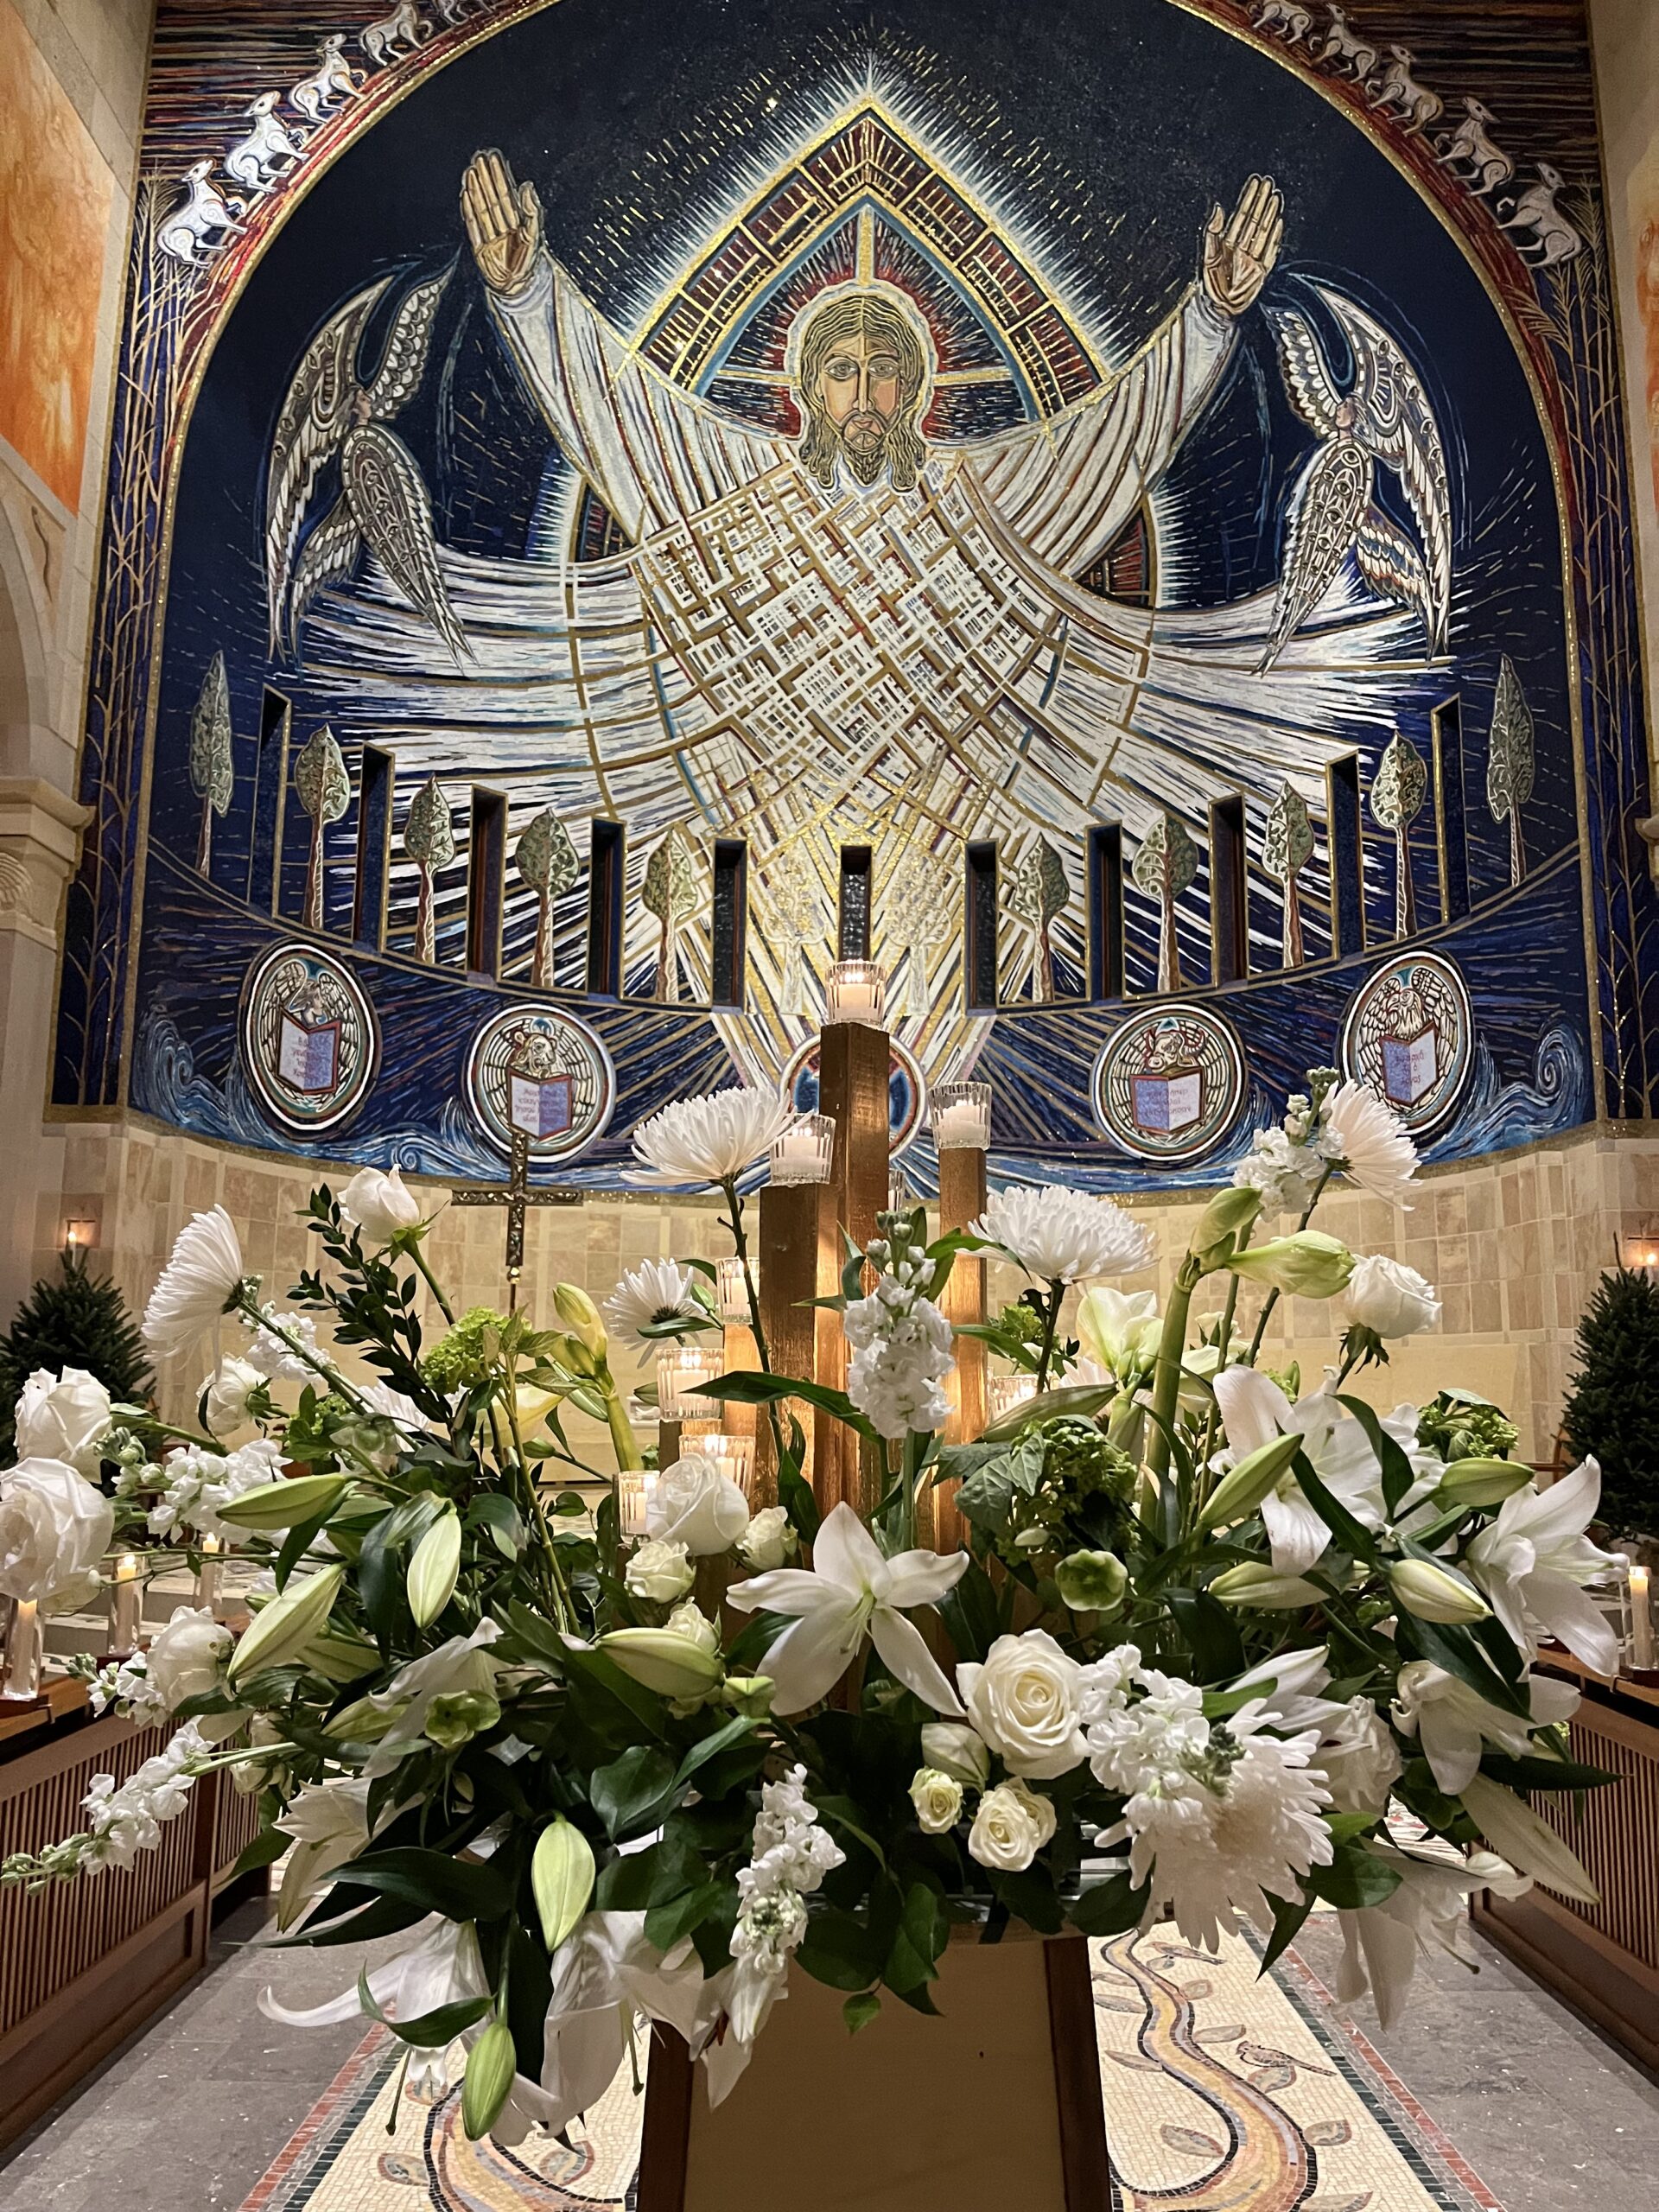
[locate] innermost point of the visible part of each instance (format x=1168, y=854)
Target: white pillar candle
x=962, y=1117
x=213, y=1560
x=803, y=1152
x=856, y=990
x=1006, y=1392
x=126, y=1606
x=679, y=1373
x=733, y=1293
x=23, y=1653
x=1641, y=1618
x=633, y=1489
x=733, y=1455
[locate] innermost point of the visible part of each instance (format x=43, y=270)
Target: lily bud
x=435, y=1568
x=1309, y=1264
x=285, y=1504
x=1481, y=1482
x=1258, y=1586
x=287, y=1624
x=1092, y=1582
x=491, y=2065
x=363, y=1721
x=671, y=1665
x=1228, y=1214
x=578, y=1313
x=1434, y=1593
x=957, y=1750
x=341, y=1658
x=574, y=1355
x=561, y=1880
x=749, y=1694
x=1249, y=1482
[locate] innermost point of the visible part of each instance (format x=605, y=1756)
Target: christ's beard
x=864, y=443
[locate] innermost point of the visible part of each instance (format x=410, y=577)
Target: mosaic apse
x=1068, y=508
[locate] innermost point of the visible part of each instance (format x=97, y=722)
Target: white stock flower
x=1452, y=1722
x=768, y=1542
x=1387, y=1296
x=127, y=1818
x=1364, y=1137
x=199, y=1283
x=185, y=1658
x=1119, y=1328
x=199, y=1484
x=1429, y=1911
x=54, y=1528
x=378, y=1205
x=1285, y=1174
x=266, y=1350
x=329, y=1823
x=1532, y=1562
x=902, y=1354
x=1024, y=1702
x=1010, y=1827
x=660, y=1571
x=655, y=1295
x=1062, y=1236
x=228, y=1391
x=937, y=1799
x=63, y=1417
x=692, y=1503
x=707, y=1140
x=851, y=1591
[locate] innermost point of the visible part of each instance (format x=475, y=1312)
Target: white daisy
x=1363, y=1136
x=649, y=1300
x=199, y=1283
x=707, y=1140
x=1061, y=1236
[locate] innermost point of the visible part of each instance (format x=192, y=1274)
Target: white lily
x=1430, y=1909
x=459, y=1666
x=1532, y=1563
x=441, y=1967
x=329, y=1823
x=1452, y=1721
x=1120, y=1328
x=851, y=1591
x=1510, y=1826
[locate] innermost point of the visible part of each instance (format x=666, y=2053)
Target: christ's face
x=859, y=387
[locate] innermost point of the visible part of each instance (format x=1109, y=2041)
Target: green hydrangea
x=458, y=1360
x=1078, y=1459
x=1459, y=1428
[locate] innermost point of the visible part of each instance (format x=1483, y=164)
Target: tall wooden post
x=962, y=1200
x=789, y=1283
x=853, y=1072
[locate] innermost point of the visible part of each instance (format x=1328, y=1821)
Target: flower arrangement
x=1217, y=1647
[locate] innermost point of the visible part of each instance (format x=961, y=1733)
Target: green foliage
x=1612, y=1409
x=464, y=1356
x=1458, y=1426
x=81, y=1321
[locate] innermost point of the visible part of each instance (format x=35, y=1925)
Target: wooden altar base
x=995, y=2106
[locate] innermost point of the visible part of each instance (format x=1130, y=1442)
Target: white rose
x=54, y=1528
x=938, y=1800
x=694, y=1626
x=768, y=1542
x=661, y=1572
x=1389, y=1297
x=958, y=1750
x=184, y=1659
x=63, y=1417
x=1023, y=1702
x=1359, y=1759
x=1007, y=1830
x=693, y=1503
x=228, y=1393
x=379, y=1204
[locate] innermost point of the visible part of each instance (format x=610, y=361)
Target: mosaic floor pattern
x=1223, y=2092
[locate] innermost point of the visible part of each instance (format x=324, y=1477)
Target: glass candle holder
x=126, y=1606
x=803, y=1150
x=679, y=1375
x=961, y=1116
x=633, y=1489
x=212, y=1561
x=733, y=1455
x=23, y=1654
x=731, y=1292
x=856, y=990
x=1003, y=1392
x=1644, y=1643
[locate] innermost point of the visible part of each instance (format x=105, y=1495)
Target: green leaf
x=457, y=1889
x=1075, y=1398
x=1348, y=1532
x=1211, y=1634
x=496, y=1513
x=733, y=1731
x=840, y=1951
x=1109, y=1908
x=795, y=1495
x=1030, y=1896
x=754, y=1389
x=1288, y=1918
x=632, y=1793
x=1457, y=1651
x=858, y=2011
x=433, y=2031
x=1354, y=1879
x=666, y=1923
x=1397, y=1476
x=265, y=1850
x=1526, y=1774
x=922, y=1935
x=970, y=1614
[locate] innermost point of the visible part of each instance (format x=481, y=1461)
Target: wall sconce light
x=80, y=1233
x=1638, y=1250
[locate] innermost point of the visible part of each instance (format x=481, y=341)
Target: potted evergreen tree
x=81, y=1321
x=1612, y=1408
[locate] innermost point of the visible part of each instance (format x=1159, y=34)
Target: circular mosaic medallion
x=907, y=1091
x=310, y=1043
x=1169, y=1083
x=538, y=1071
x=1410, y=1034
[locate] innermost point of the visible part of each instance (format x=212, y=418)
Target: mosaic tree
x=670, y=892
x=1398, y=791
x=1038, y=893
x=546, y=860
x=796, y=914
x=430, y=841
x=325, y=791
x=1165, y=866
x=213, y=770
x=918, y=915
x=1511, y=762
x=1287, y=848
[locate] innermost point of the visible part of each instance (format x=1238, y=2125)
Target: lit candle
x=679, y=1373
x=856, y=990
x=733, y=1293
x=207, y=1579
x=126, y=1606
x=803, y=1152
x=961, y=1116
x=24, y=1647
x=1640, y=1619
x=633, y=1488
x=733, y=1455
x=1005, y=1392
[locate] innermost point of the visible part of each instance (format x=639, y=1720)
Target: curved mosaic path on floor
x=1226, y=2091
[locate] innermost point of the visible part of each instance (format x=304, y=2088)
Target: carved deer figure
x=403, y=31
x=188, y=232
x=268, y=149
x=1470, y=150
x=1400, y=92
x=1285, y=17
x=1553, y=236
x=333, y=80
x=1343, y=43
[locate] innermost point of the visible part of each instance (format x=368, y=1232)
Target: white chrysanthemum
x=652, y=1296
x=199, y=1283
x=1361, y=1135
x=1062, y=1236
x=707, y=1140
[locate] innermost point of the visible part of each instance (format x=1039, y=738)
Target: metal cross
x=517, y=1196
